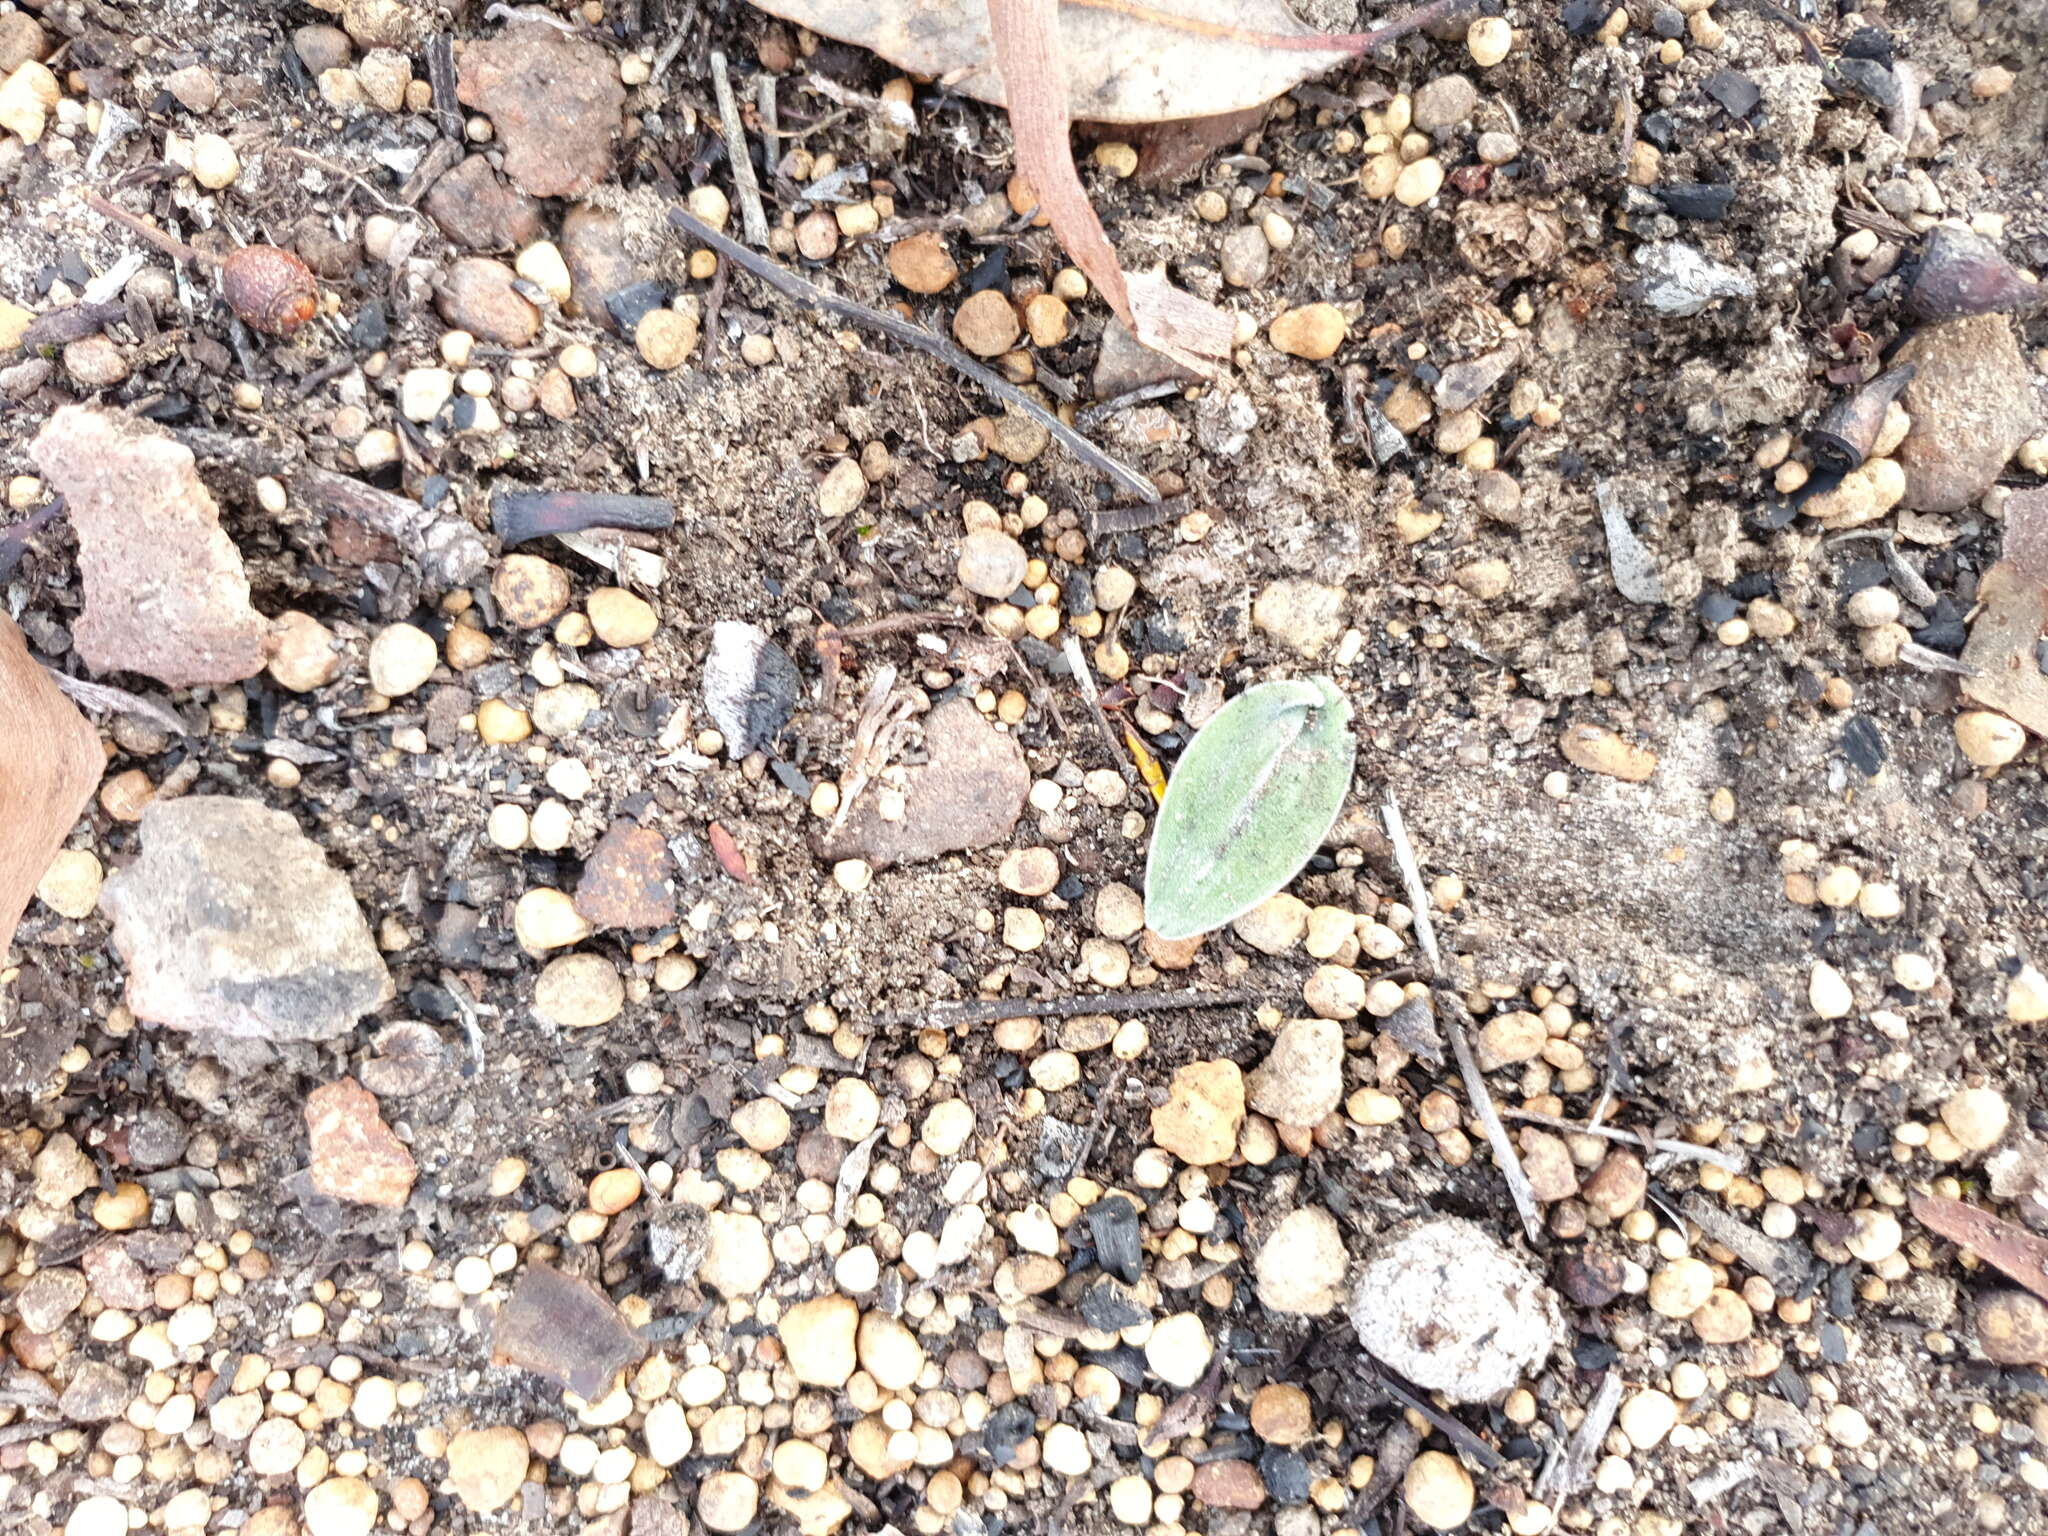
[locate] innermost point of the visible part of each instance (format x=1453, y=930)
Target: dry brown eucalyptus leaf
x=1027, y=50
x=1051, y=62
x=49, y=762
x=1028, y=46
x=1126, y=62
x=1993, y=1239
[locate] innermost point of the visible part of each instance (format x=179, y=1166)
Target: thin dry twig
x=1458, y=1434
x=1411, y=876
x=752, y=219
x=987, y=1010
x=896, y=623
x=803, y=291
x=1078, y=665
x=1569, y=1476
x=714, y=308
x=1101, y=412
x=1455, y=1019
x=1732, y=1161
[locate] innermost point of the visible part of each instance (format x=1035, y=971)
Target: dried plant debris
x=750, y=686
x=1635, y=569
x=1124, y=63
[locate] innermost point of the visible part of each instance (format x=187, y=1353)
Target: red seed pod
x=1961, y=273
x=270, y=289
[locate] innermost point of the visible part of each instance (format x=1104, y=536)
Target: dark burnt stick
x=519, y=516
x=71, y=323
x=14, y=542
x=441, y=76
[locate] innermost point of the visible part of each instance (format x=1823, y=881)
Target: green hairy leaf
x=1249, y=802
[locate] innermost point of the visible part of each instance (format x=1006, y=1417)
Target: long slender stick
x=1465, y=1440
x=1078, y=665
x=161, y=239
x=752, y=219
x=1411, y=876
x=1489, y=1117
x=1455, y=1018
x=896, y=329
x=986, y=1010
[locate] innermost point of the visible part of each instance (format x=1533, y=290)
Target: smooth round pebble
x=1681, y=1287
x=1029, y=871
x=1438, y=1491
x=621, y=618
x=214, y=162
x=341, y=1506
x=726, y=1501
x=100, y=1515
x=1179, y=1350
x=992, y=564
x=545, y=918
x=402, y=657
x=1828, y=992
x=1313, y=331
x=1489, y=40
x=1976, y=1117
x=1647, y=1418
x=986, y=323
x=1989, y=739
x=665, y=338
x=70, y=887
x=303, y=655
x=579, y=991
x=530, y=592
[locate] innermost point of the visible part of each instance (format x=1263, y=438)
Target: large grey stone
x=232, y=920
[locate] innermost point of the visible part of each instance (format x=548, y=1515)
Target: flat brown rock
x=628, y=880
x=355, y=1156
x=49, y=762
x=1229, y=1485
x=165, y=592
x=593, y=245
x=566, y=1330
x=477, y=295
x=554, y=101
x=967, y=794
x=1972, y=405
x=478, y=209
